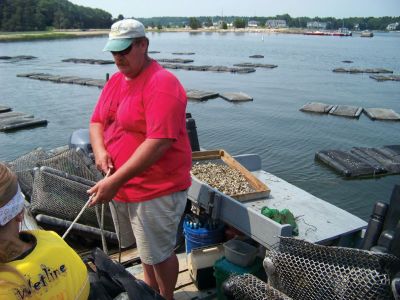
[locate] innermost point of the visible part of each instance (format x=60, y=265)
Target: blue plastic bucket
x=200, y=237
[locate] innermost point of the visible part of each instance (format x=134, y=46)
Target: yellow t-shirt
x=52, y=270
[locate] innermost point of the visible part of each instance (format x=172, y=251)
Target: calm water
x=271, y=126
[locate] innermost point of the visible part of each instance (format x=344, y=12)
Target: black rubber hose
x=77, y=228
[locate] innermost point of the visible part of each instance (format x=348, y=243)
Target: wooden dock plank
x=185, y=288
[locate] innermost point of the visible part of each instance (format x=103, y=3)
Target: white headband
x=12, y=208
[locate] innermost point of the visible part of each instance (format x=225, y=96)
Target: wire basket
x=23, y=168
x=61, y=195
x=303, y=270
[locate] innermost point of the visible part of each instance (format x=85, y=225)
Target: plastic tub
x=240, y=253
x=200, y=264
x=205, y=257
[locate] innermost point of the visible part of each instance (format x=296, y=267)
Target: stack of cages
x=23, y=168
x=299, y=270
x=56, y=184
x=304, y=270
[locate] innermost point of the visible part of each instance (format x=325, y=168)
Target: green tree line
x=32, y=15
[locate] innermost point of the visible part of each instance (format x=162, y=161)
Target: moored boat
x=315, y=33
x=343, y=31
x=367, y=33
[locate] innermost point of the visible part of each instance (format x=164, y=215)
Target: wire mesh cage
x=61, y=195
x=303, y=270
x=23, y=168
x=249, y=287
x=73, y=162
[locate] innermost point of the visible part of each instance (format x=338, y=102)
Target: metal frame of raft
x=12, y=120
x=385, y=114
x=363, y=161
x=192, y=94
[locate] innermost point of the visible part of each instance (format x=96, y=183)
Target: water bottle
x=374, y=225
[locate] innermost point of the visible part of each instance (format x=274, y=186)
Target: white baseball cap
x=122, y=34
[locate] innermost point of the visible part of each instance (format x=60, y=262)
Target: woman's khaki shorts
x=153, y=223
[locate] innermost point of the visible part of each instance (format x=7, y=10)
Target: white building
x=392, y=26
x=276, y=23
x=316, y=24
x=252, y=23
x=220, y=23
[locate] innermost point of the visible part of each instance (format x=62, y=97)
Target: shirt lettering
x=44, y=279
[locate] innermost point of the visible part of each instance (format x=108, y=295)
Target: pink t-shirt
x=152, y=105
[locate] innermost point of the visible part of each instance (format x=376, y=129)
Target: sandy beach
x=56, y=34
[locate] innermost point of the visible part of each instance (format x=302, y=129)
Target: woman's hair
x=8, y=184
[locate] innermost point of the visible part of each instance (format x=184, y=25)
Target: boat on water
x=316, y=32
x=319, y=222
x=367, y=33
x=343, y=31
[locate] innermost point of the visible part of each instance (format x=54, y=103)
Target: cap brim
x=117, y=44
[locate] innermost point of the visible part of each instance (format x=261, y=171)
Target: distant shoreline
x=77, y=33
x=247, y=29
x=50, y=35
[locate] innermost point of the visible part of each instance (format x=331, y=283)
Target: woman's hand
x=103, y=161
x=104, y=191
x=102, y=157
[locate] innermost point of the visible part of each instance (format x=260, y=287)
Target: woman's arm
x=149, y=152
x=102, y=158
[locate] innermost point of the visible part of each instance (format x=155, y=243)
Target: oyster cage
x=304, y=270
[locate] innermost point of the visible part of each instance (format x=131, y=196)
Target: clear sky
x=295, y=8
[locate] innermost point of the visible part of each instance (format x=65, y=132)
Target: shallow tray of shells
x=222, y=177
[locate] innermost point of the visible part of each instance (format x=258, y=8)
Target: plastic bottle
x=374, y=225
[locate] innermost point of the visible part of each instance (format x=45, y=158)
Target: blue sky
x=295, y=8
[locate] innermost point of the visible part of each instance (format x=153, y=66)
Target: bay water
x=271, y=126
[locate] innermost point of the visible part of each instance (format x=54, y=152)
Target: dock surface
x=185, y=288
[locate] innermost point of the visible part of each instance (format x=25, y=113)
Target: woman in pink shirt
x=138, y=130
